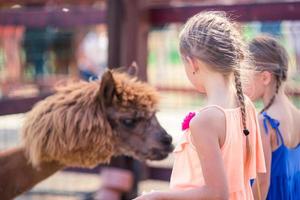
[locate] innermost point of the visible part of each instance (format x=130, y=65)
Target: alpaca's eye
x=129, y=123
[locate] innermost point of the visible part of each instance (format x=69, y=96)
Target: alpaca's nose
x=166, y=139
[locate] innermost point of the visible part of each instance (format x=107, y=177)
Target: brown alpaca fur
x=72, y=126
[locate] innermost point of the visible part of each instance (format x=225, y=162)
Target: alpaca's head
x=86, y=123
x=130, y=107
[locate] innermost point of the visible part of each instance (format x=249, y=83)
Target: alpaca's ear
x=107, y=89
x=133, y=69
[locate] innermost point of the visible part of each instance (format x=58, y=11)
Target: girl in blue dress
x=279, y=122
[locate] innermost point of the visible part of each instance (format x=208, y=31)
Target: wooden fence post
x=128, y=28
x=128, y=36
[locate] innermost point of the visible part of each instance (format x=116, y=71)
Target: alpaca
x=86, y=123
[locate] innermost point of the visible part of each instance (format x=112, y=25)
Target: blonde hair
x=212, y=38
x=269, y=55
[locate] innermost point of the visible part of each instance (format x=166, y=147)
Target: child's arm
x=208, y=134
x=264, y=178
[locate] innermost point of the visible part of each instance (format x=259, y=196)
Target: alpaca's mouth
x=158, y=154
x=150, y=154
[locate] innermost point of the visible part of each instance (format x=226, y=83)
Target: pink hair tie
x=186, y=121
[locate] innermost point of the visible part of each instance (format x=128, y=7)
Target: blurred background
x=44, y=42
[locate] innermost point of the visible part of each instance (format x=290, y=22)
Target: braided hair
x=269, y=55
x=213, y=38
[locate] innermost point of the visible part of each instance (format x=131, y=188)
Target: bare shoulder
x=280, y=112
x=210, y=119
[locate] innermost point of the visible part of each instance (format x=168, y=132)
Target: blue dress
x=285, y=167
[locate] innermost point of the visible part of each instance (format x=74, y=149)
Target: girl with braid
x=220, y=149
x=279, y=121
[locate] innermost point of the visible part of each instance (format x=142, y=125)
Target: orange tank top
x=187, y=173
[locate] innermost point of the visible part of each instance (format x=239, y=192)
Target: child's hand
x=150, y=196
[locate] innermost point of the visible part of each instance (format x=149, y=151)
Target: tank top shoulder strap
x=216, y=107
x=213, y=106
x=274, y=123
